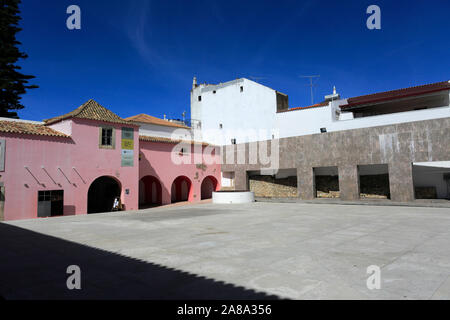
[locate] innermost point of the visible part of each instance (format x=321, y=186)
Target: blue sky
x=139, y=56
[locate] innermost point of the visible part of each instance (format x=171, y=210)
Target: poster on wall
x=127, y=147
x=127, y=158
x=127, y=138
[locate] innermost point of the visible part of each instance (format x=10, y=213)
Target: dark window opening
x=220, y=126
x=214, y=91
x=326, y=182
x=374, y=181
x=242, y=89
x=107, y=136
x=233, y=141
x=199, y=98
x=50, y=203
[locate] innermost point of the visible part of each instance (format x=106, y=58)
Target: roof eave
x=367, y=103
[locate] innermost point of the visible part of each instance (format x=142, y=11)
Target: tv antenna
x=311, y=85
x=256, y=78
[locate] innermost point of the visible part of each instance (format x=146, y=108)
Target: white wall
x=154, y=130
x=227, y=179
x=253, y=109
x=20, y=120
x=309, y=121
x=303, y=122
x=64, y=126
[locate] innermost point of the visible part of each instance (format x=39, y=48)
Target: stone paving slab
x=259, y=250
x=431, y=203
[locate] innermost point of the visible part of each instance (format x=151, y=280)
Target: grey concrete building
x=401, y=152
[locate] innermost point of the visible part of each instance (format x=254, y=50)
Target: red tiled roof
x=29, y=128
x=396, y=94
x=168, y=140
x=90, y=110
x=317, y=105
x=145, y=118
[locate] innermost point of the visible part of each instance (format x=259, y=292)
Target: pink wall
x=72, y=164
x=156, y=161
x=81, y=152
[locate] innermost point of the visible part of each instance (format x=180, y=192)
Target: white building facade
x=240, y=108
x=242, y=111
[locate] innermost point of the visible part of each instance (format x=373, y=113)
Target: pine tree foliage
x=13, y=83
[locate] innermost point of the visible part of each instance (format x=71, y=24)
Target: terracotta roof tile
x=145, y=118
x=168, y=140
x=29, y=128
x=397, y=94
x=317, y=105
x=90, y=110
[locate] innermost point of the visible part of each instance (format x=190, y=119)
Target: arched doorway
x=209, y=185
x=181, y=189
x=150, y=192
x=102, y=193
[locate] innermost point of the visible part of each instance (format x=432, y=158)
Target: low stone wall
x=269, y=187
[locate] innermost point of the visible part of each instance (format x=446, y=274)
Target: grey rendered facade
x=398, y=146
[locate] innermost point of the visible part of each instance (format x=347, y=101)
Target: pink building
x=82, y=161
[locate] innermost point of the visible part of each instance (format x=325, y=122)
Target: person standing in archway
x=116, y=205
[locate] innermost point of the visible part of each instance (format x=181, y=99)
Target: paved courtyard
x=259, y=250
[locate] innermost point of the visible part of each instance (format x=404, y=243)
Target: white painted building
x=242, y=111
x=234, y=110
x=163, y=128
x=248, y=111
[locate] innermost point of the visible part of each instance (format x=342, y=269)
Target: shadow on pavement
x=33, y=266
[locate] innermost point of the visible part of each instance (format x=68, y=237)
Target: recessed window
x=242, y=89
x=323, y=130
x=106, y=137
x=50, y=203
x=199, y=98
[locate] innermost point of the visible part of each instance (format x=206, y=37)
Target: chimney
x=333, y=96
x=194, y=83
